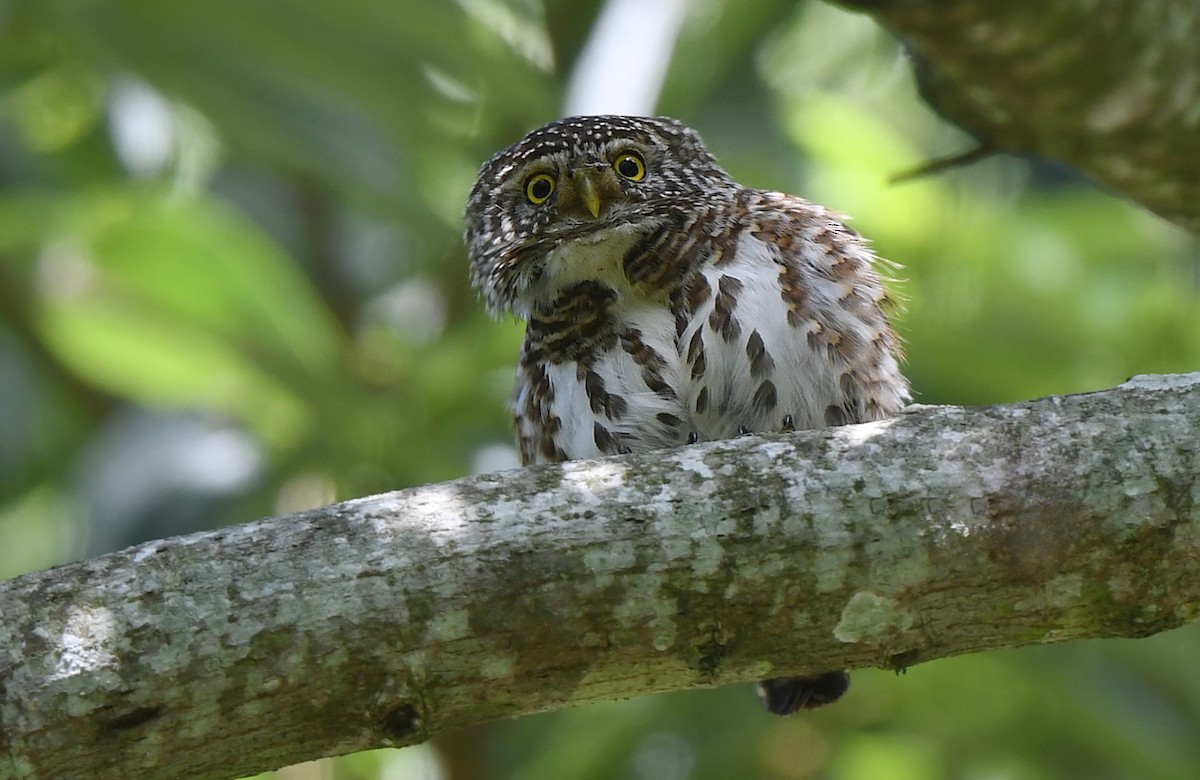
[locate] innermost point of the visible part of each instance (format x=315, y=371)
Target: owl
x=665, y=304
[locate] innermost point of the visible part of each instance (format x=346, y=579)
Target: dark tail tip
x=785, y=695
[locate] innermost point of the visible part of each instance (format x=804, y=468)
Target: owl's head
x=587, y=180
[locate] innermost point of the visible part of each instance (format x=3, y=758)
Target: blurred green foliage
x=231, y=284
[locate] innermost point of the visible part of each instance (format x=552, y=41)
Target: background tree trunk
x=1111, y=89
x=386, y=620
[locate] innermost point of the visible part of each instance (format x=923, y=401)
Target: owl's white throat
x=598, y=256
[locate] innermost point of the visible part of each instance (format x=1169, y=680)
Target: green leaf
x=175, y=300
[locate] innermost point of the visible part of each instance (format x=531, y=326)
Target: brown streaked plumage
x=666, y=304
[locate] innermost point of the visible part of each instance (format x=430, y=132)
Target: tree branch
x=388, y=619
x=1111, y=89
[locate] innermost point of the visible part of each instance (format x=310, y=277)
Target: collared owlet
x=666, y=304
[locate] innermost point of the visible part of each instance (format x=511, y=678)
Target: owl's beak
x=588, y=190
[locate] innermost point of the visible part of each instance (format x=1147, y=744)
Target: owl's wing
x=787, y=325
x=534, y=417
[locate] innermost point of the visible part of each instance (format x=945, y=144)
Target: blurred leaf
x=35, y=532
x=895, y=757
x=716, y=36
x=176, y=300
x=57, y=107
x=343, y=93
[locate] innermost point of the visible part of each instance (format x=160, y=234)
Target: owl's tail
x=785, y=695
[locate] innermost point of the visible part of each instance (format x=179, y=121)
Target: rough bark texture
x=1110, y=87
x=385, y=620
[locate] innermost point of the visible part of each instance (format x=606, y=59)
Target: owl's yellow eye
x=539, y=187
x=630, y=166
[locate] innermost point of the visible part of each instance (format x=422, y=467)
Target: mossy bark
x=386, y=620
x=1109, y=87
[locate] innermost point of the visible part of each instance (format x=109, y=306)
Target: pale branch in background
x=386, y=620
x=1111, y=89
